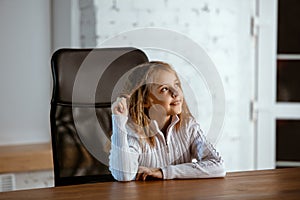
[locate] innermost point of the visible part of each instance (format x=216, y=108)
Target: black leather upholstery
x=80, y=117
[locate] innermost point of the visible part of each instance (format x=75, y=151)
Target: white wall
x=24, y=71
x=222, y=28
x=65, y=18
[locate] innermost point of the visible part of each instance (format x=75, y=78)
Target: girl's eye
x=177, y=85
x=164, y=89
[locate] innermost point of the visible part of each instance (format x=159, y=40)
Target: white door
x=278, y=98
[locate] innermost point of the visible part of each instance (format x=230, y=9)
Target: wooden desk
x=24, y=158
x=265, y=184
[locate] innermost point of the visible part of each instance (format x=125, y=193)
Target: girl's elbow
x=222, y=173
x=122, y=176
x=222, y=170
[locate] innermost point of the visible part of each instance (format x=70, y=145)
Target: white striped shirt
x=173, y=154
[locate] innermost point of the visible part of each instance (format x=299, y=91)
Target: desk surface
x=264, y=184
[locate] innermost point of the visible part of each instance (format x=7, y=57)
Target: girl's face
x=166, y=93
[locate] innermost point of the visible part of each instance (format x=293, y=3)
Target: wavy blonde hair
x=138, y=87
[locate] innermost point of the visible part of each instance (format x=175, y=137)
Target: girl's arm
x=123, y=159
x=207, y=161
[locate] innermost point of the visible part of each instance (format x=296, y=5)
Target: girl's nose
x=174, y=92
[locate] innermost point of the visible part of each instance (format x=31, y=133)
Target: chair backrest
x=80, y=116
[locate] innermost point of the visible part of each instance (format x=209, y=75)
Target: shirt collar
x=154, y=125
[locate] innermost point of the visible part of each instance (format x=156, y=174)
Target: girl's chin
x=175, y=112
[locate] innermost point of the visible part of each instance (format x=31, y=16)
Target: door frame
x=265, y=106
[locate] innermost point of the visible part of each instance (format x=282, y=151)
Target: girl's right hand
x=119, y=107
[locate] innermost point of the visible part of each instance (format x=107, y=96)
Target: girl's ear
x=148, y=102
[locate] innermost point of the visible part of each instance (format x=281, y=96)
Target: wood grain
x=22, y=158
x=265, y=184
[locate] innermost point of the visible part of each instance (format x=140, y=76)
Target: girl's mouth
x=175, y=103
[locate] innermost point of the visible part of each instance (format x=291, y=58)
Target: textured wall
x=222, y=28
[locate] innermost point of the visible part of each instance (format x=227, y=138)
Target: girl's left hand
x=144, y=172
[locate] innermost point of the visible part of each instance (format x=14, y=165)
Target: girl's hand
x=119, y=107
x=144, y=172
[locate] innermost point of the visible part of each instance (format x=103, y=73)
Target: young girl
x=154, y=133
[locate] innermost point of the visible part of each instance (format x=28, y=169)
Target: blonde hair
x=139, y=88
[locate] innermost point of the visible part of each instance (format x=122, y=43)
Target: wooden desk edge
x=23, y=158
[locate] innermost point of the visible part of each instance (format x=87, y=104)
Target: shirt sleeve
x=207, y=162
x=124, y=153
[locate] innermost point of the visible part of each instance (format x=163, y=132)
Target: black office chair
x=80, y=116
